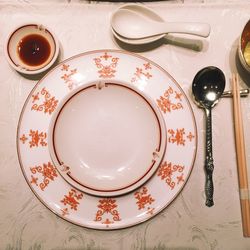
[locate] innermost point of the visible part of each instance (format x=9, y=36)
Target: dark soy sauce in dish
x=34, y=49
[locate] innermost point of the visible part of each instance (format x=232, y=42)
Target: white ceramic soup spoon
x=136, y=41
x=142, y=10
x=136, y=22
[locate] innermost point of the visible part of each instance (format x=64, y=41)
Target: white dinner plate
x=151, y=196
x=107, y=138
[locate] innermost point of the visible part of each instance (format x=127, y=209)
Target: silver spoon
x=133, y=24
x=208, y=86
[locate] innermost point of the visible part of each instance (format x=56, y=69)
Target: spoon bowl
x=143, y=11
x=137, y=22
x=208, y=86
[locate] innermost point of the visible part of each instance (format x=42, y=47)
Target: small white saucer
x=16, y=37
x=107, y=138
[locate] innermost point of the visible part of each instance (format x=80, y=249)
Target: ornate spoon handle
x=209, y=165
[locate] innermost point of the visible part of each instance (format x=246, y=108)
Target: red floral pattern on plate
x=171, y=173
x=67, y=76
x=71, y=201
x=49, y=103
x=142, y=72
x=108, y=208
x=106, y=65
x=178, y=136
x=35, y=138
x=144, y=200
x=47, y=172
x=170, y=100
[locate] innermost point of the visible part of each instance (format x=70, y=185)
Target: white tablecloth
x=187, y=223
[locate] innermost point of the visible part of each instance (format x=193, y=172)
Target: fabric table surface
x=25, y=223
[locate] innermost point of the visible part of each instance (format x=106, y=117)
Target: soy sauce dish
x=32, y=49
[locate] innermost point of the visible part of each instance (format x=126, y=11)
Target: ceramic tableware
x=133, y=24
x=31, y=49
x=153, y=195
x=107, y=138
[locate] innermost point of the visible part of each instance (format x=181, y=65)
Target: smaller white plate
x=24, y=31
x=107, y=138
